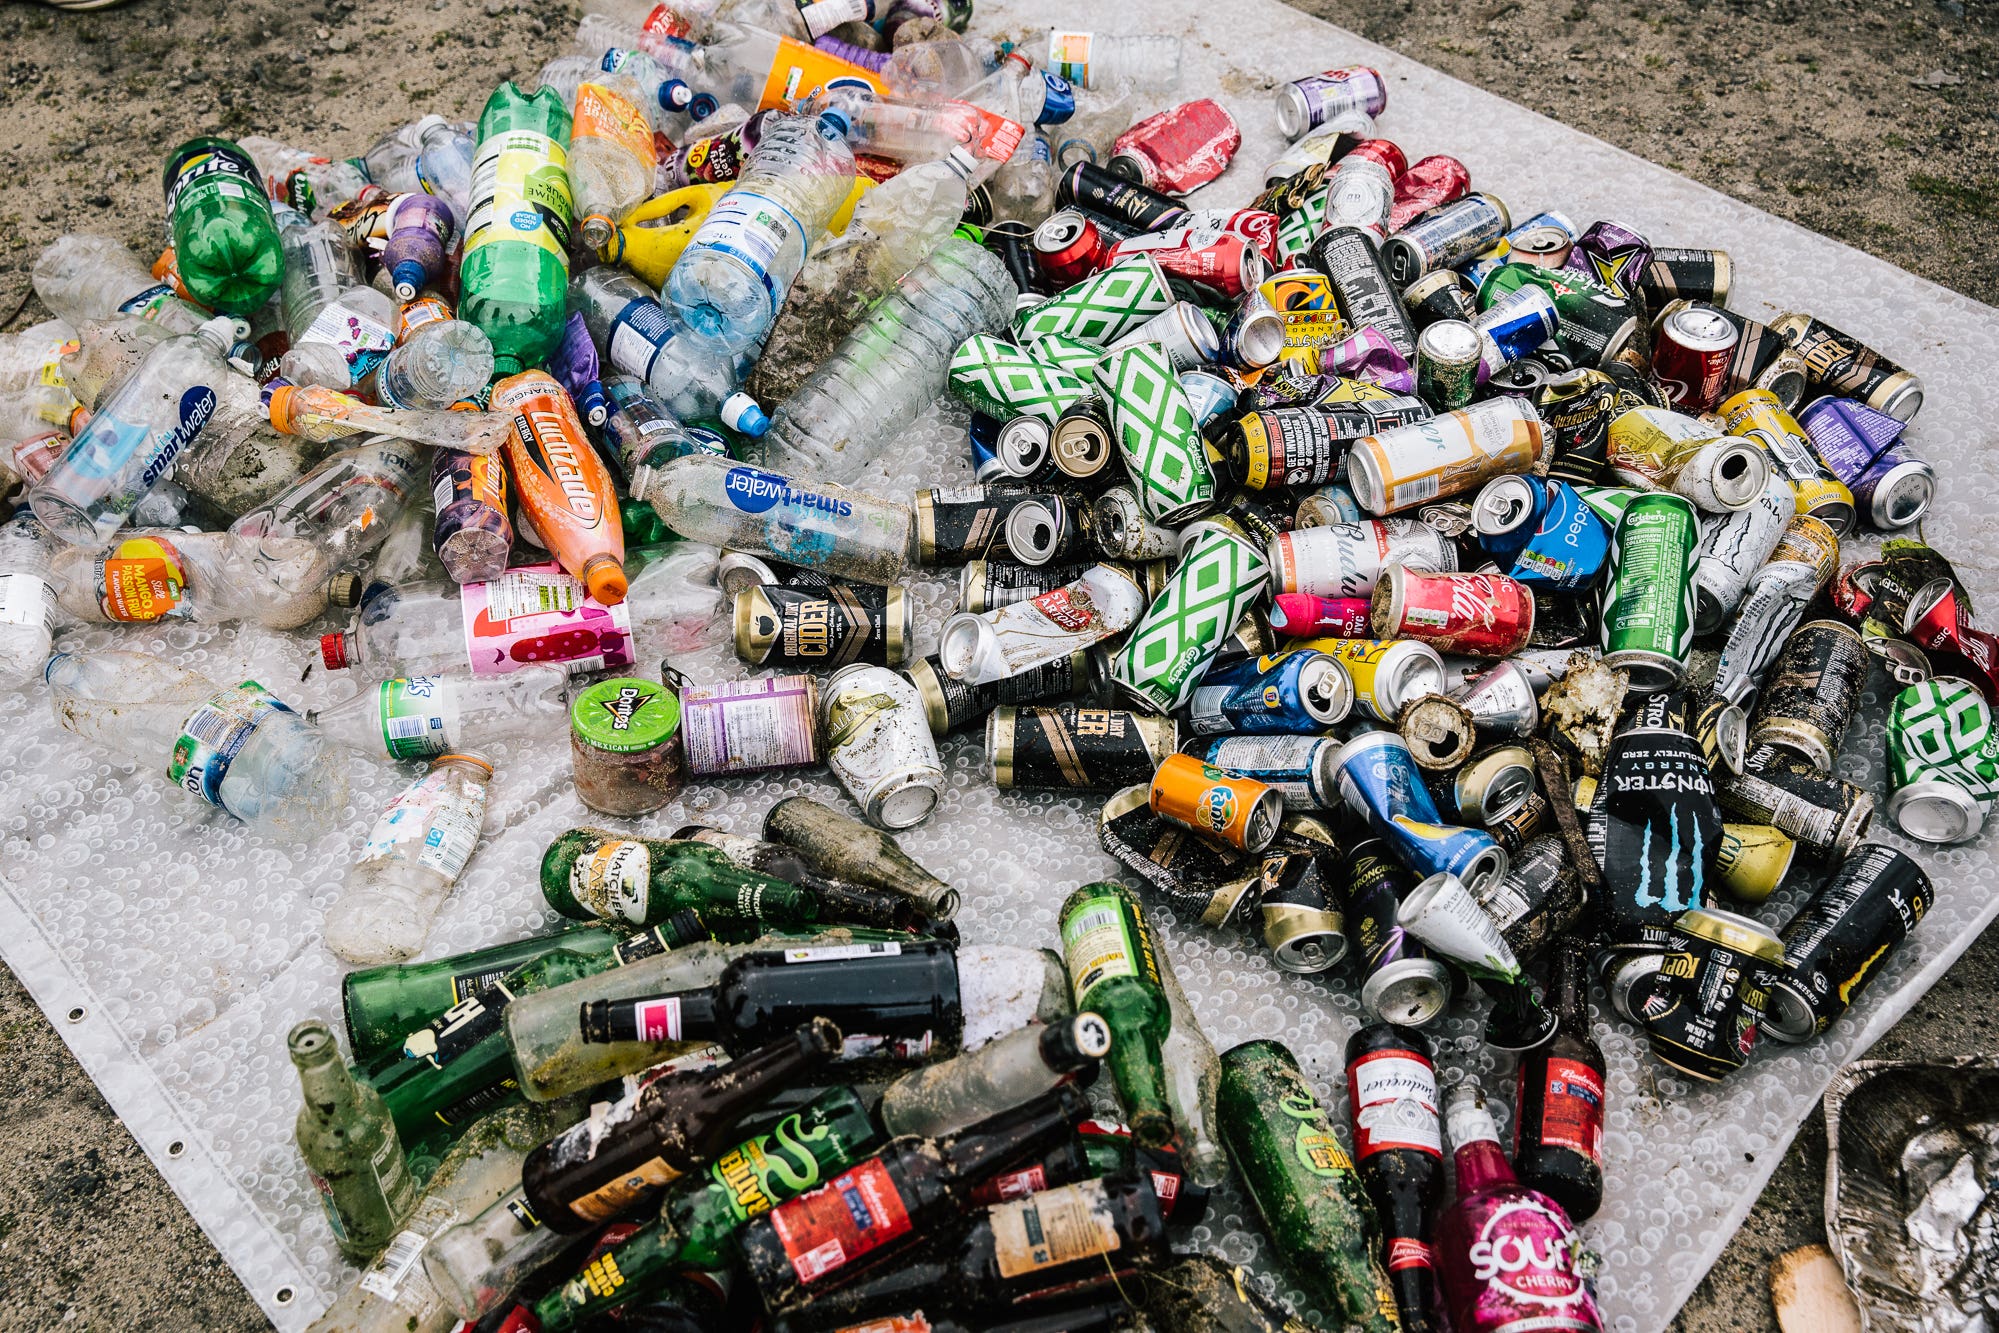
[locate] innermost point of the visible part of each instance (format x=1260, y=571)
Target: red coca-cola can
x=1472, y=615
x=1069, y=247
x=1691, y=356
x=1216, y=259
x=1252, y=224
x=1179, y=149
x=1434, y=181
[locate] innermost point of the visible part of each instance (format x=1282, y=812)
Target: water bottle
x=431, y=155
x=313, y=185
x=440, y=363
x=905, y=130
x=516, y=263
x=413, y=856
x=645, y=435
x=320, y=264
x=657, y=89
x=27, y=597
x=225, y=238
x=421, y=717
x=886, y=372
x=694, y=375
x=83, y=276
x=346, y=505
x=134, y=437
x=418, y=243
x=733, y=276
x=148, y=575
x=611, y=152
x=233, y=746
x=407, y=556
x=34, y=355
x=1101, y=60
x=843, y=533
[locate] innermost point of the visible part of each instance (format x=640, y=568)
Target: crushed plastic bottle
x=432, y=155
x=421, y=717
x=84, y=277
x=842, y=533
x=34, y=354
x=414, y=855
x=324, y=414
x=345, y=506
x=304, y=180
x=27, y=597
x=438, y=364
x=209, y=578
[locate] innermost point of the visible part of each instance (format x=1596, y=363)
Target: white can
x=878, y=743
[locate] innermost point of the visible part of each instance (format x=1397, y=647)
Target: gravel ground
x=1873, y=123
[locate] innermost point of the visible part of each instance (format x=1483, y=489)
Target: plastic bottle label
x=1060, y=1226
x=1572, y=1108
x=363, y=341
x=829, y=953
x=1394, y=1104
x=1069, y=56
x=754, y=229
x=109, y=444
x=140, y=579
x=520, y=192
x=823, y=16
x=668, y=24
x=799, y=71
x=418, y=716
x=1097, y=945
x=639, y=333
x=604, y=114
x=538, y=613
x=858, y=1212
x=221, y=173
x=26, y=599
x=145, y=303
x=430, y=823
x=613, y=880
x=214, y=734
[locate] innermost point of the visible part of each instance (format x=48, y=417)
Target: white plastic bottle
x=435, y=365
x=346, y=505
x=693, y=374
x=27, y=597
x=420, y=717
x=847, y=534
x=84, y=276
x=731, y=280
x=233, y=746
x=210, y=578
x=413, y=857
x=1104, y=60
x=887, y=371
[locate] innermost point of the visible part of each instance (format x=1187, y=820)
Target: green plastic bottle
x=515, y=274
x=225, y=237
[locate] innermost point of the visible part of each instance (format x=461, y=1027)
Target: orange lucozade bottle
x=563, y=486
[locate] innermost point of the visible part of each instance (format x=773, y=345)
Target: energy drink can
x=750, y=726
x=1703, y=1006
x=1762, y=359
x=1298, y=766
x=1813, y=690
x=1891, y=487
x=951, y=705
x=822, y=627
x=1733, y=547
x=1836, y=944
x=1691, y=351
x=1647, y=609
x=1576, y=408
x=1828, y=817
x=1241, y=812
x=1293, y=446
x=1943, y=760
x=1381, y=782
x=1757, y=415
x=1300, y=692
x=1075, y=746
x=1687, y=275
x=1447, y=364
x=1473, y=615
x=1807, y=554
x=1080, y=444
x=1753, y=860
x=963, y=524
x=1400, y=982
x=1302, y=926
x=1447, y=455
x=1387, y=674
x=1441, y=295
x=879, y=746
x=1539, y=899
x=1596, y=324
x=1049, y=529
x=1348, y=559
x=1204, y=882
x=1842, y=365
x=1362, y=289
x=1614, y=255
x=1444, y=237
x=1651, y=827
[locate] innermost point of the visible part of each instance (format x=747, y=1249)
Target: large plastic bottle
x=233, y=746
x=611, y=152
x=210, y=578
x=562, y=485
x=437, y=364
x=1103, y=60
x=847, y=534
x=432, y=155
x=732, y=278
x=887, y=371
x=516, y=263
x=27, y=597
x=414, y=854
x=421, y=717
x=692, y=373
x=135, y=435
x=225, y=239
x=346, y=505
x=84, y=276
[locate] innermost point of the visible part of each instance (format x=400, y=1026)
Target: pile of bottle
x=1431, y=596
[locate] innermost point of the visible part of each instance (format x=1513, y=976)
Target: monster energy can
x=1648, y=599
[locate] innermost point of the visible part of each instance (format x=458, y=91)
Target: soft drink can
x=1444, y=237
x=1648, y=598
x=1837, y=942
x=1241, y=812
x=1473, y=615
x=1381, y=782
x=1691, y=355
x=1306, y=103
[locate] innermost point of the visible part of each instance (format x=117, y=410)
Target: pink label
x=538, y=613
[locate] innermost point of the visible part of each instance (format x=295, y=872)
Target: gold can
x=1809, y=540
x=1448, y=454
x=1756, y=414
x=832, y=626
x=1753, y=859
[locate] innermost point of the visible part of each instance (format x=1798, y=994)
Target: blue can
x=1379, y=780
x=1208, y=394
x=1491, y=259
x=1506, y=512
x=1301, y=767
x=1305, y=691
x=1569, y=547
x=984, y=436
x=1515, y=325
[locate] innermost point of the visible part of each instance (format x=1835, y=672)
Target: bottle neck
x=714, y=1100
x=968, y=1157
x=1571, y=987
x=330, y=1091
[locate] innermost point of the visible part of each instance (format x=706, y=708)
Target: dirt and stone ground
x=1873, y=121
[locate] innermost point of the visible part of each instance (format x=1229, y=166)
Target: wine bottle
x=1399, y=1148
x=1558, y=1120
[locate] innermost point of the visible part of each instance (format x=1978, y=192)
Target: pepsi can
x=1568, y=549
x=1305, y=691
x=1380, y=781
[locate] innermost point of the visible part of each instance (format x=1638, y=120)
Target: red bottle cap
x=333, y=651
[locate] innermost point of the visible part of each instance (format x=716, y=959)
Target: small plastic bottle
x=843, y=533
x=209, y=578
x=432, y=155
x=420, y=717
x=418, y=244
x=406, y=870
x=1103, y=60
x=693, y=374
x=471, y=530
x=347, y=504
x=437, y=364
x=27, y=597
x=84, y=276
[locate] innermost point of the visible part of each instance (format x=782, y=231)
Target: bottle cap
x=606, y=580
x=703, y=106
x=278, y=402
x=344, y=590
x=740, y=413
x=835, y=121
x=333, y=650
x=408, y=277
x=1060, y=101
x=675, y=95
x=478, y=761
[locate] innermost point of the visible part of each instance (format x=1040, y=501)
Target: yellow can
x=1756, y=414
x=1753, y=859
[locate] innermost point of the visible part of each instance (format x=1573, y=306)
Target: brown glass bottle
x=599, y=1168
x=1399, y=1151
x=1558, y=1115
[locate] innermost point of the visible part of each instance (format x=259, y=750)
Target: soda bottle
x=1026, y=1063
x=208, y=578
x=82, y=276
x=694, y=375
x=420, y=228
x=236, y=747
x=563, y=487
x=432, y=155
x=471, y=532
x=225, y=237
x=1558, y=1121
x=516, y=260
x=420, y=717
x=1113, y=971
x=731, y=280
x=1101, y=60
x=349, y=1146
x=435, y=366
x=27, y=596
x=305, y=181
x=135, y=435
x=416, y=852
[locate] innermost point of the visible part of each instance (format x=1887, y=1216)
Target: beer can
x=1293, y=446
x=1102, y=601
x=1691, y=353
x=879, y=746
x=1104, y=194
x=1501, y=700
x=1214, y=802
x=1400, y=982
x=1443, y=294
x=1444, y=237
x=966, y=523
x=1300, y=767
x=1733, y=547
x=1538, y=900
x=1068, y=246
x=1703, y=1007
x=1757, y=415
x=1752, y=859
x=1362, y=290
x=1076, y=746
x=1474, y=615
x=1328, y=505
x=1221, y=577
x=1387, y=674
x=1304, y=691
x=1438, y=732
x=1897, y=490
x=1836, y=944
x=1380, y=781
x=1209, y=393
x=1493, y=785
x=1302, y=925
x=1647, y=608
x=1080, y=444
x=750, y=726
x=1812, y=692
x=1676, y=274
x=1656, y=448
x=1306, y=103
x=1049, y=529
x=823, y=627
x=1854, y=440
x=1013, y=242
x=1827, y=816
x=1205, y=882
x=1447, y=364
x=1762, y=360
x=1123, y=532
x=1576, y=408
x=951, y=705
x=1348, y=559
x=1840, y=364
x=1447, y=455
x=1542, y=239
x=1943, y=760
x=1183, y=331
x=984, y=585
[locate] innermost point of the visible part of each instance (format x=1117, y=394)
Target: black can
x=1538, y=899
x=834, y=626
x=1672, y=709
x=1076, y=746
x=1293, y=446
x=1705, y=1001
x=1082, y=444
x=1577, y=407
x=1812, y=692
x=1400, y=982
x=1634, y=387
x=1204, y=883
x=985, y=584
x=1835, y=945
x=1827, y=816
x=1687, y=275
x=1302, y=926
x=1013, y=242
x=954, y=526
x=1436, y=297
x=1563, y=620
x=1361, y=287
x=1534, y=818
x=951, y=705
x=1052, y=529
x=1651, y=827
x=1095, y=190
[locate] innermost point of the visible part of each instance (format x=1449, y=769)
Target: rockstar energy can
x=1077, y=747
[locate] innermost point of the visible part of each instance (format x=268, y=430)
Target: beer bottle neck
x=715, y=1099
x=1571, y=986
x=330, y=1091
x=968, y=1157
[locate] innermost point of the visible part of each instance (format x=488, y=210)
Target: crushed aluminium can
x=1239, y=811
x=1943, y=760
x=1812, y=692
x=1472, y=615
x=1444, y=456
x=950, y=705
x=1305, y=691
x=1203, y=881
x=879, y=746
x=1348, y=559
x=1300, y=767
x=1381, y=782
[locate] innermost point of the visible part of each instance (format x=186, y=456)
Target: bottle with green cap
x=226, y=245
x=1114, y=972
x=625, y=746
x=515, y=272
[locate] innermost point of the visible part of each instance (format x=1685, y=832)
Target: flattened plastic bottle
x=225, y=239
x=34, y=354
x=84, y=276
x=693, y=374
x=516, y=264
x=432, y=155
x=209, y=578
x=414, y=855
x=611, y=152
x=27, y=597
x=346, y=505
x=437, y=364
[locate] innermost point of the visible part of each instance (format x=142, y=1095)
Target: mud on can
x=1444, y=237
x=879, y=746
x=1648, y=596
x=1827, y=816
x=966, y=523
x=951, y=705
x=1842, y=364
x=1239, y=811
x=1703, y=1007
x=822, y=627
x=1300, y=767
x=1400, y=982
x=1302, y=924
x=1813, y=689
x=1380, y=781
x=1347, y=559
x=750, y=726
x=1838, y=941
x=1204, y=882
x=1441, y=295
x=1539, y=899
x=1446, y=455
x=1076, y=746
x=1123, y=532
x=1472, y=615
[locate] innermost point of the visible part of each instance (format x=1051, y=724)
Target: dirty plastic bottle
x=339, y=326
x=611, y=152
x=407, y=556
x=471, y=531
x=732, y=278
x=34, y=355
x=30, y=413
x=27, y=597
x=1105, y=60
x=225, y=238
x=414, y=855
x=233, y=746
x=346, y=505
x=645, y=435
x=438, y=364
x=210, y=578
x=321, y=262
x=886, y=372
x=84, y=276
x=420, y=717
x=419, y=229
x=942, y=68
x=320, y=413
x=432, y=155
x=693, y=374
x=844, y=533
x=516, y=263
x=134, y=436
x=908, y=131
x=312, y=184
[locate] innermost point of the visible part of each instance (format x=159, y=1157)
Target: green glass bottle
x=424, y=1099
x=593, y=873
x=699, y=1219
x=350, y=1147
x=515, y=273
x=225, y=236
x=1313, y=1204
x=1114, y=972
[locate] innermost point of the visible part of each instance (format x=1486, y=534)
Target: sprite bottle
x=515, y=274
x=225, y=236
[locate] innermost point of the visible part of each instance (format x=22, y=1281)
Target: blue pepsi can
x=1301, y=767
x=1506, y=512
x=1478, y=269
x=1568, y=547
x=1379, y=780
x=984, y=437
x=1305, y=691
x=1515, y=325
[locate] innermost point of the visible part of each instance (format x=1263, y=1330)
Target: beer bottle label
x=1572, y=1108
x=858, y=1212
x=614, y=1197
x=1394, y=1098
x=1102, y=941
x=780, y=1164
x=1058, y=1226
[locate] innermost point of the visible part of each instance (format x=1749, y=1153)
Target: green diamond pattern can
x=1943, y=760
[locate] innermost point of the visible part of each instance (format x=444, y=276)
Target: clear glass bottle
x=944, y=1098
x=416, y=852
x=349, y=1145
x=1193, y=1073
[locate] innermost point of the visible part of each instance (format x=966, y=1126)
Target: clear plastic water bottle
x=339, y=325
x=1105, y=60
x=84, y=276
x=320, y=264
x=440, y=363
x=27, y=597
x=148, y=575
x=908, y=131
x=134, y=437
x=346, y=505
x=312, y=184
x=432, y=155
x=886, y=372
x=847, y=534
x=733, y=276
x=420, y=717
x=233, y=746
x=693, y=374
x=611, y=152
x=942, y=68
x=34, y=355
x=413, y=856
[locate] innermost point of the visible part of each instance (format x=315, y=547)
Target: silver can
x=1733, y=548
x=1189, y=339
x=878, y=743
x=1123, y=532
x=1347, y=559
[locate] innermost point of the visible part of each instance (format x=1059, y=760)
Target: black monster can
x=1653, y=827
x=1707, y=998
x=1826, y=815
x=1838, y=941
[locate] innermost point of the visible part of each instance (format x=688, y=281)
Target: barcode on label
x=385, y=1276
x=827, y=953
x=1415, y=492
x=407, y=728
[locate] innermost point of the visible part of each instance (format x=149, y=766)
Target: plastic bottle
x=32, y=412
x=415, y=853
x=432, y=155
x=438, y=364
x=941, y=68
x=319, y=413
x=516, y=262
x=908, y=131
x=611, y=152
x=887, y=371
x=693, y=374
x=34, y=355
x=471, y=531
x=234, y=746
x=134, y=437
x=842, y=533
x=84, y=276
x=406, y=556
x=27, y=597
x=420, y=228
x=312, y=184
x=209, y=578
x=320, y=263
x=225, y=239
x=420, y=717
x=1102, y=60
x=646, y=436
x=346, y=505
x=339, y=326
x=561, y=483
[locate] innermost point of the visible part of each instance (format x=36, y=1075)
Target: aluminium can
x=1293, y=446
x=1068, y=246
x=1647, y=607
x=1691, y=352
x=1596, y=324
x=984, y=585
x=750, y=726
x=1734, y=547
x=1305, y=691
x=1380, y=781
x=1348, y=559
x=1501, y=700
x=1472, y=615
x=1304, y=104
x=1241, y=812
x=1577, y=407
x=1445, y=237
x=1080, y=443
x=1447, y=455
x=1513, y=327
x=1302, y=924
x=1703, y=1007
x=1447, y=364
x=1840, y=364
x=1104, y=195
x=1762, y=359
x=1298, y=766
x=1493, y=785
x=1838, y=942
x=1387, y=674
x=1756, y=414
x=951, y=705
x=1614, y=255
x=964, y=523
x=1540, y=898
x=1049, y=529
x=1076, y=746
x=878, y=744
x=1363, y=292
x=1827, y=816
x=1205, y=882
x=1401, y=982
x=1123, y=531
x=1679, y=274
x=1943, y=760
x=1444, y=294
x=1812, y=692
x=822, y=627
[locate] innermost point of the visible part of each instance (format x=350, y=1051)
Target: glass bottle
x=1201, y=1293
x=944, y=1098
x=590, y=872
x=839, y=899
x=414, y=855
x=1558, y=1119
x=842, y=847
x=1193, y=1072
x=1114, y=972
x=349, y=1145
x=1399, y=1147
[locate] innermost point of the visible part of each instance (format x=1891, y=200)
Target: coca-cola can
x=1069, y=247
x=1475, y=615
x=1179, y=149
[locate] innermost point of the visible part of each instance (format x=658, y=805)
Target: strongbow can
x=1239, y=811
x=1444, y=456
x=1400, y=982
x=1648, y=596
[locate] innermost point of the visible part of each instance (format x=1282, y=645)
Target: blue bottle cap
x=703, y=106
x=741, y=414
x=1061, y=100
x=675, y=95
x=408, y=277
x=835, y=120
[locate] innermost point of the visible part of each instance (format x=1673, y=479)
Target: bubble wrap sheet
x=173, y=950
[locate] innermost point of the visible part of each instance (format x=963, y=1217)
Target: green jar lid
x=625, y=714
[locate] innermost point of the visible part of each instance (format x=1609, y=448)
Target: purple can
x=1515, y=325
x=1615, y=256
x=1892, y=487
x=1368, y=355
x=1309, y=102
